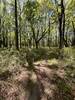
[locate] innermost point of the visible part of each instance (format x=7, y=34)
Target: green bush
x=45, y=53
x=64, y=89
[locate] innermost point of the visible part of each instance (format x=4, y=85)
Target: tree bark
x=73, y=40
x=0, y=34
x=16, y=27
x=48, y=41
x=62, y=25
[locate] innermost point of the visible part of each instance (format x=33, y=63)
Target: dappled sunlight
x=37, y=49
x=41, y=82
x=53, y=61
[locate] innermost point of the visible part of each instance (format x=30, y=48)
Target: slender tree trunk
x=37, y=44
x=66, y=41
x=20, y=40
x=20, y=31
x=6, y=38
x=0, y=34
x=49, y=35
x=0, y=28
x=20, y=23
x=16, y=27
x=62, y=25
x=60, y=32
x=34, y=37
x=73, y=40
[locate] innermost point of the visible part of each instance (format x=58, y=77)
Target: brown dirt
x=32, y=85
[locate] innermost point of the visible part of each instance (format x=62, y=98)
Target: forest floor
x=52, y=79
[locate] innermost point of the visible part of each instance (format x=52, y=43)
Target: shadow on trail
x=34, y=91
x=49, y=86
x=41, y=83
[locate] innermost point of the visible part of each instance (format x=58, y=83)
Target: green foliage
x=69, y=52
x=30, y=9
x=30, y=59
x=10, y=59
x=45, y=53
x=63, y=88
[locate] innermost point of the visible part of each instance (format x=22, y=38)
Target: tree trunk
x=66, y=41
x=0, y=30
x=37, y=44
x=48, y=41
x=20, y=39
x=16, y=27
x=73, y=40
x=0, y=34
x=62, y=25
x=60, y=32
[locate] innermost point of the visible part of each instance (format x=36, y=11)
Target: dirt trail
x=32, y=85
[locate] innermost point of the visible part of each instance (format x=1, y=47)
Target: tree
x=16, y=26
x=73, y=41
x=31, y=9
x=36, y=23
x=0, y=25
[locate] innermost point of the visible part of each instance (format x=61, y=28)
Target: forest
x=37, y=49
